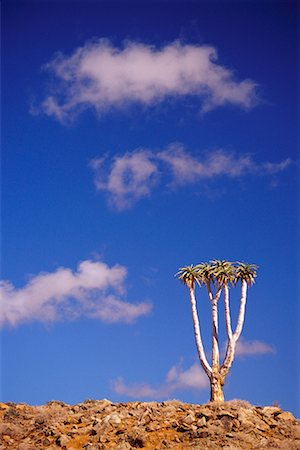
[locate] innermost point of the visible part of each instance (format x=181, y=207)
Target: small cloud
x=176, y=379
x=114, y=310
x=252, y=348
x=128, y=178
x=93, y=291
x=187, y=168
x=190, y=379
x=273, y=168
x=101, y=76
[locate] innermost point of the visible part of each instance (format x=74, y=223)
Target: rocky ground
x=103, y=425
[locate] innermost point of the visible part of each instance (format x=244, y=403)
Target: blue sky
x=138, y=137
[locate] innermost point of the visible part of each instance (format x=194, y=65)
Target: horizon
x=137, y=139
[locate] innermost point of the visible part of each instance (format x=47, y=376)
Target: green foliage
x=246, y=272
x=188, y=275
x=219, y=272
x=224, y=272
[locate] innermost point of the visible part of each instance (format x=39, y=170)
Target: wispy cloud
x=93, y=291
x=176, y=379
x=252, y=348
x=127, y=178
x=192, y=378
x=101, y=76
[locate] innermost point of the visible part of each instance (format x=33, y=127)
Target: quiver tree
x=218, y=277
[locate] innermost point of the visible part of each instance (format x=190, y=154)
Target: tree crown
x=246, y=272
x=188, y=275
x=221, y=272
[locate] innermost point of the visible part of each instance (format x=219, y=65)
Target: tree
x=218, y=276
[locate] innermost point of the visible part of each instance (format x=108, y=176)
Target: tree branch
x=215, y=337
x=198, y=339
x=227, y=312
x=241, y=316
x=231, y=344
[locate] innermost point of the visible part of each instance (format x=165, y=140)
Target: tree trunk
x=241, y=316
x=198, y=339
x=216, y=388
x=231, y=344
x=215, y=337
x=227, y=312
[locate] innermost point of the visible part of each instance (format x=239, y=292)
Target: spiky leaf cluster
x=220, y=272
x=188, y=275
x=246, y=272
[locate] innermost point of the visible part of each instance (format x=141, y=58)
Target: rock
x=123, y=446
x=226, y=422
x=189, y=419
x=201, y=422
x=137, y=441
x=40, y=420
x=245, y=419
x=270, y=410
x=24, y=446
x=90, y=446
x=10, y=430
x=287, y=416
x=62, y=440
x=152, y=426
x=113, y=419
x=3, y=406
x=203, y=434
x=226, y=414
x=102, y=425
x=262, y=426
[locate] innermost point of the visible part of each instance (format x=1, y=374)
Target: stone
x=262, y=426
x=3, y=406
x=287, y=416
x=189, y=419
x=91, y=446
x=226, y=422
x=102, y=425
x=123, y=446
x=201, y=422
x=270, y=410
x=245, y=419
x=62, y=440
x=113, y=419
x=10, y=430
x=136, y=441
x=24, y=446
x=203, y=434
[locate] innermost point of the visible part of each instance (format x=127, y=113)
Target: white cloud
x=67, y=295
x=187, y=168
x=192, y=378
x=176, y=379
x=251, y=348
x=115, y=310
x=130, y=177
x=101, y=76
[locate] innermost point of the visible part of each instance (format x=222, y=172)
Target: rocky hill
x=97, y=425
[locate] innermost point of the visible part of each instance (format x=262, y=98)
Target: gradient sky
x=138, y=137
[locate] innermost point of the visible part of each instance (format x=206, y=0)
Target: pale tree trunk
x=241, y=316
x=216, y=387
x=230, y=351
x=215, y=333
x=216, y=382
x=197, y=332
x=227, y=312
x=215, y=337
